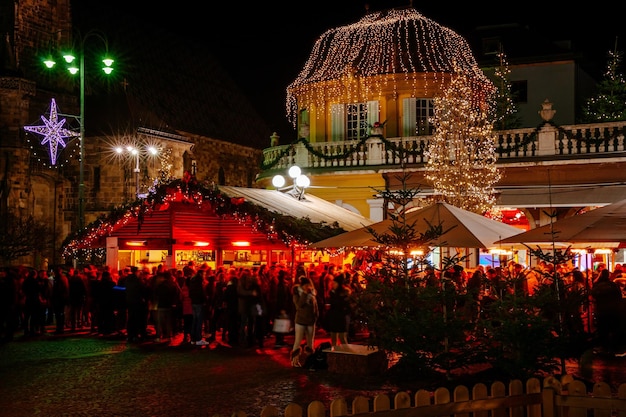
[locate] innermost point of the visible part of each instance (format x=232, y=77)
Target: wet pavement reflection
x=90, y=375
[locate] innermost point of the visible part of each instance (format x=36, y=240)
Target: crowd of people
x=601, y=314
x=242, y=304
x=198, y=302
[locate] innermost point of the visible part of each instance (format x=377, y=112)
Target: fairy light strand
x=358, y=61
x=461, y=155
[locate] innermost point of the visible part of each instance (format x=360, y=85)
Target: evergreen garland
x=501, y=149
x=291, y=230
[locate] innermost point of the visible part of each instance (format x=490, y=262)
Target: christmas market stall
x=181, y=222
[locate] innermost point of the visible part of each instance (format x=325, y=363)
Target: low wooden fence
x=555, y=398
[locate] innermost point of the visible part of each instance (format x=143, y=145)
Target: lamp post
x=300, y=182
x=135, y=152
x=108, y=68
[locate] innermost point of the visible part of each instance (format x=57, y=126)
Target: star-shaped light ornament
x=53, y=132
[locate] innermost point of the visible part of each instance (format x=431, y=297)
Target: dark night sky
x=264, y=45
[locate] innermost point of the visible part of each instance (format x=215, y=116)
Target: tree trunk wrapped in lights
x=461, y=155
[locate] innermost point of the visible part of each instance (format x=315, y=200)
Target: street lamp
x=135, y=152
x=300, y=182
x=71, y=67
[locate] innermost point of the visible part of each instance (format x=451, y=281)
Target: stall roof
x=188, y=212
x=314, y=208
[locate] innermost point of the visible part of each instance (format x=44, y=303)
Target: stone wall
x=239, y=164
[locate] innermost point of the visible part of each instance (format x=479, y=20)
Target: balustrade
x=588, y=141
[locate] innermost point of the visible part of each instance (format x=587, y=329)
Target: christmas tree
x=610, y=103
x=506, y=116
x=461, y=155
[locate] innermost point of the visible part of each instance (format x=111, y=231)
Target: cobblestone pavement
x=89, y=375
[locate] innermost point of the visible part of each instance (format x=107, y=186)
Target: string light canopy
x=382, y=51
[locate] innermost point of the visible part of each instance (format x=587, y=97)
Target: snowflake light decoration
x=53, y=132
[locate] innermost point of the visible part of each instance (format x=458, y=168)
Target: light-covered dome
x=380, y=50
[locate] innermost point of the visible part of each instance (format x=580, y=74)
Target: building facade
x=364, y=116
x=191, y=131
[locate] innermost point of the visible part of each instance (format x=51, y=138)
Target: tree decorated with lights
x=461, y=154
x=505, y=110
x=165, y=173
x=395, y=49
x=610, y=103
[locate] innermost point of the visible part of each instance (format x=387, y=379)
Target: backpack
x=318, y=360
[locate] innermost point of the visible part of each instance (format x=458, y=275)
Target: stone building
x=190, y=110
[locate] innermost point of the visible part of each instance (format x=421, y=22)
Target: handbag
x=281, y=326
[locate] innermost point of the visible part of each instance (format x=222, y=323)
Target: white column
x=112, y=259
x=374, y=148
x=377, y=209
x=546, y=140
x=302, y=155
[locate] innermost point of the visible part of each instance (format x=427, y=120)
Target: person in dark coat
x=59, y=299
x=168, y=297
x=137, y=296
x=93, y=299
x=198, y=295
x=106, y=301
x=78, y=295
x=338, y=315
x=258, y=312
x=32, y=304
x=45, y=293
x=607, y=297
x=283, y=304
x=231, y=298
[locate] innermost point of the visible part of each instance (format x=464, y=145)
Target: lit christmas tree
x=461, y=155
x=506, y=112
x=610, y=103
x=165, y=173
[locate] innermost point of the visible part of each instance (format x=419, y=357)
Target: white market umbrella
x=604, y=226
x=462, y=229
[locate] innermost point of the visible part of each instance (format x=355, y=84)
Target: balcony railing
x=543, y=143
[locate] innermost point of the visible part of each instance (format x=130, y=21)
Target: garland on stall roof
x=291, y=230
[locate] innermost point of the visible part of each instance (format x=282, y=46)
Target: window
x=417, y=117
x=352, y=121
x=356, y=121
x=491, y=46
x=519, y=91
x=424, y=111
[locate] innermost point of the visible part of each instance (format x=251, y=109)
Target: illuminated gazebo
x=364, y=100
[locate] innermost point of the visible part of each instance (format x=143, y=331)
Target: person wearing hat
x=307, y=313
x=338, y=315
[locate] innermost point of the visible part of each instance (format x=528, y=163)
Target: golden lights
x=461, y=155
x=357, y=62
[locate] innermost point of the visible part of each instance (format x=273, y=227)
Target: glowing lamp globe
x=303, y=181
x=278, y=181
x=294, y=171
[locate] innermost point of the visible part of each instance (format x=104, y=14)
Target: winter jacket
x=307, y=311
